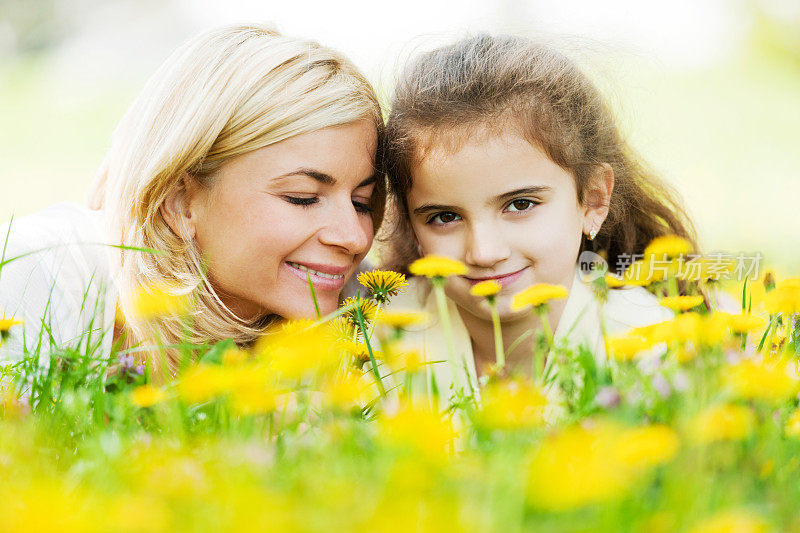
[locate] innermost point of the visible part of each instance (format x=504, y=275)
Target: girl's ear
x=178, y=210
x=597, y=198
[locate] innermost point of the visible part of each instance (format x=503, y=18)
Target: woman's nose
x=486, y=246
x=348, y=229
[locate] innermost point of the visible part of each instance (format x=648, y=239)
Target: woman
x=244, y=170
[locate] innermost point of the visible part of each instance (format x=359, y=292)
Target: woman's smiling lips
x=326, y=277
x=502, y=279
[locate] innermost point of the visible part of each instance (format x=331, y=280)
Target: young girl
x=503, y=155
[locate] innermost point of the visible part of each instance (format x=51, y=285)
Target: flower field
x=690, y=425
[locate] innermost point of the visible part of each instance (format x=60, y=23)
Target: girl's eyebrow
x=536, y=189
x=324, y=178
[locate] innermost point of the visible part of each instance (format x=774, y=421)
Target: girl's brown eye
x=443, y=218
x=520, y=205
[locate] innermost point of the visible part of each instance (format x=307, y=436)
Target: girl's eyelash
x=432, y=219
x=531, y=203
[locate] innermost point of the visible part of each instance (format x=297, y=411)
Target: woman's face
x=503, y=208
x=282, y=213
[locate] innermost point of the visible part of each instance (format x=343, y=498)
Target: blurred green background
x=708, y=92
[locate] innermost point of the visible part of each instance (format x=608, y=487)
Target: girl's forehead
x=487, y=161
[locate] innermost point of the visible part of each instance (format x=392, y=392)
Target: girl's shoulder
x=632, y=307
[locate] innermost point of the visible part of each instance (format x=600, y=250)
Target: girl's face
x=277, y=214
x=502, y=207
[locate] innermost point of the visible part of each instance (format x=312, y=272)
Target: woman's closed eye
x=521, y=205
x=361, y=207
x=301, y=200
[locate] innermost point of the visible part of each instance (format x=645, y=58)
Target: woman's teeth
x=315, y=272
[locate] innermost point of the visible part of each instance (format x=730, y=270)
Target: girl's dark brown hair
x=493, y=83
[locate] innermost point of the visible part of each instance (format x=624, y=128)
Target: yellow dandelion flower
x=402, y=319
x=512, y=405
x=665, y=246
x=410, y=360
x=160, y=300
x=647, y=446
x=706, y=268
x=254, y=398
x=770, y=381
x=686, y=326
x=403, y=357
x=487, y=288
x=732, y=521
x=436, y=266
x=785, y=298
x=203, y=382
x=346, y=392
x=341, y=328
x=685, y=353
x=365, y=306
x=625, y=347
x=713, y=330
x=744, y=323
x=359, y=351
x=537, y=295
x=422, y=430
x=6, y=324
x=614, y=281
x=147, y=396
x=681, y=303
x=792, y=428
x=383, y=284
x=578, y=466
x=723, y=422
x=297, y=350
x=234, y=357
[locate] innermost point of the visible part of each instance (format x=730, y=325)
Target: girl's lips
x=320, y=282
x=502, y=279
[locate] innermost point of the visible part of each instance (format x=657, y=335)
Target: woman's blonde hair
x=222, y=94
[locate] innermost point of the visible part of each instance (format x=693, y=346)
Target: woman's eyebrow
x=324, y=178
x=369, y=181
x=321, y=177
x=536, y=189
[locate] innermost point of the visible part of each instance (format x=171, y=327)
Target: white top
x=62, y=288
x=579, y=324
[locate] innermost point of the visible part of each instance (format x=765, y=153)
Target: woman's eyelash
x=361, y=207
x=301, y=201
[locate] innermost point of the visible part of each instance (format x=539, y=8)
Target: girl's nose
x=346, y=229
x=486, y=246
